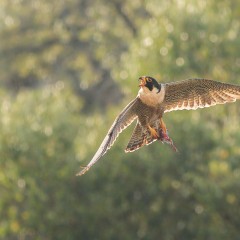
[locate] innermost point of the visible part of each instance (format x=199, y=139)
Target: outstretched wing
x=198, y=93
x=126, y=117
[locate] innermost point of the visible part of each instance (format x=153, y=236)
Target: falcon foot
x=164, y=138
x=161, y=133
x=153, y=132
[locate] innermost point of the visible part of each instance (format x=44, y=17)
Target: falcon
x=153, y=100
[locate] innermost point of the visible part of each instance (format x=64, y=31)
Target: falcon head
x=150, y=83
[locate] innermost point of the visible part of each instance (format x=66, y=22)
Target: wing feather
x=125, y=118
x=191, y=94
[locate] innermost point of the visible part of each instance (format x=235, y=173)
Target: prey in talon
x=162, y=134
x=153, y=100
x=164, y=138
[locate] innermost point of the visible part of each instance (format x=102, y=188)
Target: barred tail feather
x=139, y=138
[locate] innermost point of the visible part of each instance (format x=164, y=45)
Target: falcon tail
x=139, y=138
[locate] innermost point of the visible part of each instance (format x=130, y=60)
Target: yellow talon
x=163, y=127
x=153, y=132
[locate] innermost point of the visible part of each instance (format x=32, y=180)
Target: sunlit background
x=67, y=68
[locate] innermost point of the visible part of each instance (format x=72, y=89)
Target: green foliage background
x=67, y=68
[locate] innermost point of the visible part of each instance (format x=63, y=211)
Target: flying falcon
x=153, y=100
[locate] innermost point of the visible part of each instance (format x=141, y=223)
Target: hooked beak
x=142, y=82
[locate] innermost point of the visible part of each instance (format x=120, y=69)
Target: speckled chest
x=148, y=114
